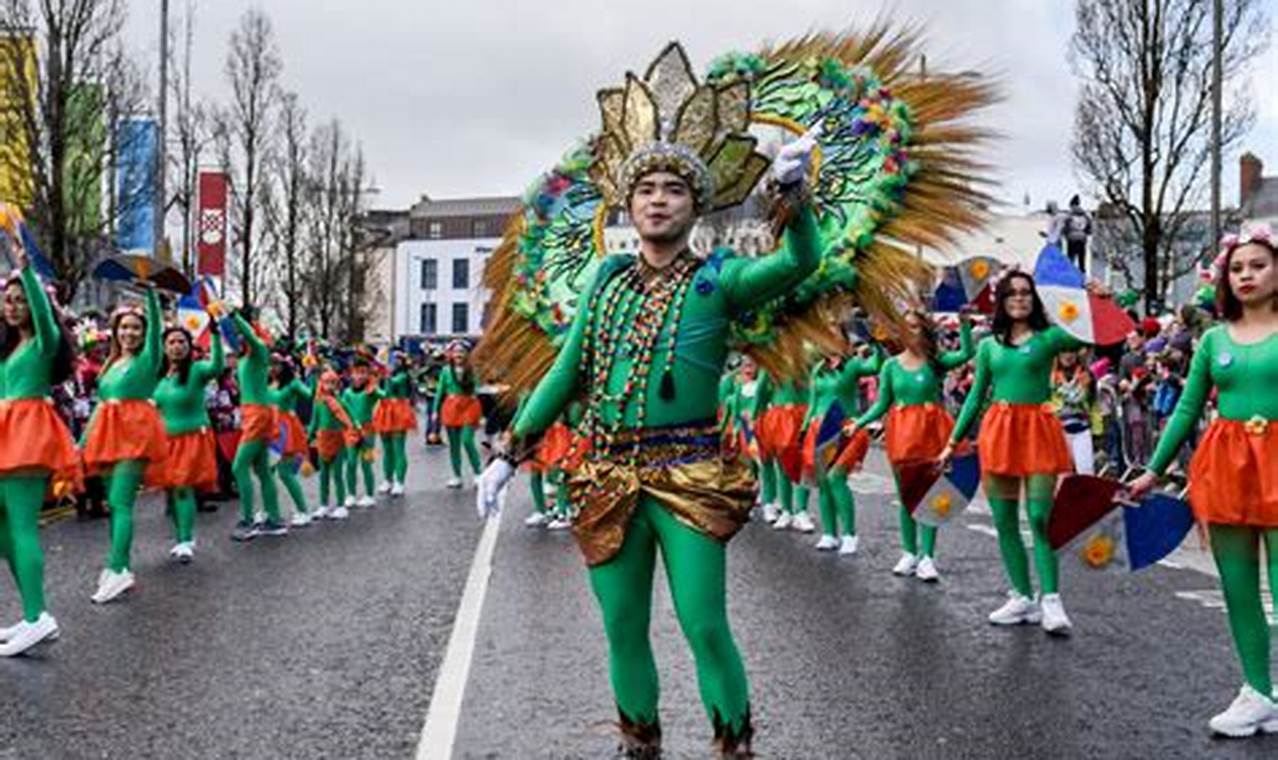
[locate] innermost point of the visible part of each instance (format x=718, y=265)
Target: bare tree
x=253, y=67
x=191, y=127
x=325, y=271
x=67, y=80
x=286, y=212
x=1142, y=130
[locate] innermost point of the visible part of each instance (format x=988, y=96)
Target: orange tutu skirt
x=329, y=443
x=556, y=444
x=395, y=415
x=32, y=435
x=294, y=435
x=191, y=462
x=461, y=411
x=1233, y=476
x=779, y=429
x=853, y=453
x=917, y=431
x=1018, y=440
x=259, y=422
x=124, y=429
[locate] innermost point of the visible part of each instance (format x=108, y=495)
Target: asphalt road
x=327, y=643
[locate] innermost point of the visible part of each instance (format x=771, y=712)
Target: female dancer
x=918, y=426
x=359, y=400
x=1233, y=477
x=1021, y=442
x=286, y=391
x=834, y=378
x=332, y=430
x=780, y=428
x=393, y=419
x=34, y=443
x=190, y=463
x=125, y=432
x=258, y=428
x=459, y=411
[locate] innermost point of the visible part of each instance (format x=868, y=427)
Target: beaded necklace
x=629, y=316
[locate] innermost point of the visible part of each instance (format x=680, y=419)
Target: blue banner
x=135, y=185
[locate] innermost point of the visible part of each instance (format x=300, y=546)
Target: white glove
x=795, y=158
x=491, y=494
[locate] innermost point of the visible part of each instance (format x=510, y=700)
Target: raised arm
x=964, y=353
x=152, y=350
x=857, y=368
x=975, y=396
x=750, y=281
x=882, y=402
x=256, y=347
x=212, y=367
x=1188, y=409
x=43, y=320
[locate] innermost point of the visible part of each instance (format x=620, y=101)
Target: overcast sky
x=476, y=97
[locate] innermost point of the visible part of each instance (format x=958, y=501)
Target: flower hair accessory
x=1262, y=234
x=127, y=310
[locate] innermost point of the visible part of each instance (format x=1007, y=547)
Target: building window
x=436, y=230
x=430, y=274
x=428, y=319
x=461, y=274
x=479, y=228
x=461, y=318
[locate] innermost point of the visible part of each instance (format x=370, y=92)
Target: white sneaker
x=926, y=571
x=559, y=523
x=175, y=551
x=26, y=635
x=1055, y=620
x=184, y=552
x=1271, y=726
x=453, y=483
x=367, y=501
x=827, y=543
x=10, y=631
x=802, y=523
x=770, y=513
x=1250, y=712
x=111, y=585
x=397, y=489
x=300, y=520
x=338, y=513
x=906, y=565
x=321, y=512
x=1016, y=610
x=782, y=522
x=848, y=545
x=351, y=501
x=385, y=488
x=536, y=520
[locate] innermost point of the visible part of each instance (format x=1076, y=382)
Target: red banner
x=211, y=223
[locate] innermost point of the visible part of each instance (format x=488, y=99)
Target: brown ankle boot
x=639, y=741
x=733, y=745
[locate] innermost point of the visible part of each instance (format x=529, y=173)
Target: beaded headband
x=1262, y=234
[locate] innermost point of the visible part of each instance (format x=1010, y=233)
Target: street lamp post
x=160, y=152
x=1217, y=77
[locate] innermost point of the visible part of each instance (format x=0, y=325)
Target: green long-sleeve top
x=183, y=404
x=360, y=403
x=253, y=368
x=398, y=385
x=829, y=384
x=787, y=393
x=1244, y=375
x=135, y=378
x=723, y=287
x=1014, y=374
x=286, y=397
x=903, y=387
x=449, y=385
x=26, y=373
x=324, y=418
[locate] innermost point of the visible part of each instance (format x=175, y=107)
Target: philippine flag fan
x=934, y=497
x=1090, y=318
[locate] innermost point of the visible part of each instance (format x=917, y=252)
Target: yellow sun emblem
x=942, y=503
x=1099, y=551
x=1068, y=311
x=979, y=269
x=1256, y=425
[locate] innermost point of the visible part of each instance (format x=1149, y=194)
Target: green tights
x=358, y=460
x=332, y=473
x=1004, y=495
x=767, y=483
x=253, y=458
x=911, y=530
x=394, y=457
x=1237, y=552
x=182, y=501
x=536, y=483
x=788, y=491
x=122, y=491
x=22, y=497
x=286, y=471
x=837, y=505
x=695, y=568
x=458, y=439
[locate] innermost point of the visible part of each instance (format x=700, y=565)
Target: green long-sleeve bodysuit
x=285, y=399
x=793, y=496
x=333, y=471
x=25, y=374
x=1245, y=376
x=825, y=386
x=185, y=411
x=359, y=404
x=253, y=457
x=459, y=439
x=394, y=445
x=695, y=562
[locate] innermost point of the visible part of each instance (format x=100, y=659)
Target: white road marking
x=440, y=730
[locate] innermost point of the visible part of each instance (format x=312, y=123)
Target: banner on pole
x=135, y=185
x=211, y=223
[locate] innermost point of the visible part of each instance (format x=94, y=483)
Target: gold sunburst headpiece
x=668, y=121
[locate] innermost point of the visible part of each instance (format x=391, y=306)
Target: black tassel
x=667, y=386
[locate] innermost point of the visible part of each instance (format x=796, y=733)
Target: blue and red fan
x=1063, y=288
x=1091, y=525
x=936, y=495
x=968, y=283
